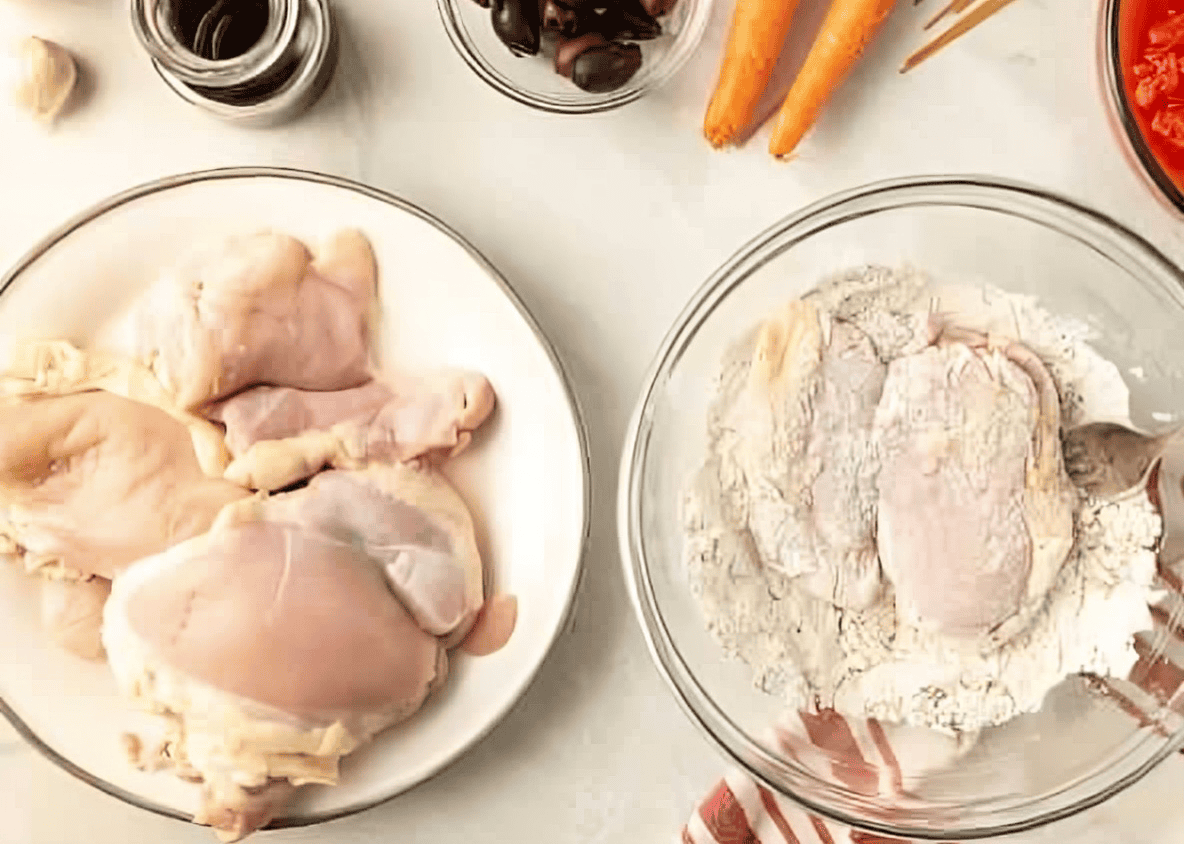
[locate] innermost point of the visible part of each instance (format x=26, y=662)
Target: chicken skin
x=295, y=630
x=258, y=309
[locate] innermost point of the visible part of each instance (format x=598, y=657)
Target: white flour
x=866, y=662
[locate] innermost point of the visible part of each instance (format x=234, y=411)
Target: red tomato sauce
x=1151, y=54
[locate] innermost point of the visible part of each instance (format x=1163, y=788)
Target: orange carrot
x=847, y=29
x=755, y=38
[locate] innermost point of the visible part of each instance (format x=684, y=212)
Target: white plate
x=525, y=477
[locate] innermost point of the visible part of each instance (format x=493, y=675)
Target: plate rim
x=165, y=183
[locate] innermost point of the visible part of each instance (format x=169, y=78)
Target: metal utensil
x=1167, y=494
x=1106, y=459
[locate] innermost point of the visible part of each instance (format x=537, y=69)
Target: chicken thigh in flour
x=801, y=434
x=975, y=507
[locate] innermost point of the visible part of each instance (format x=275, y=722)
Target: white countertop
x=604, y=225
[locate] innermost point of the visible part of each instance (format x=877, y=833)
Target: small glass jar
x=261, y=70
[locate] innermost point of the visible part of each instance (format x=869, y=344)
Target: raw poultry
x=410, y=520
x=801, y=439
x=83, y=430
x=72, y=613
x=883, y=523
x=91, y=482
x=367, y=575
x=258, y=309
x=400, y=417
x=975, y=508
x=268, y=634
x=281, y=435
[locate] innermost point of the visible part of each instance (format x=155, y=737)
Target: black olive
x=606, y=67
x=559, y=18
x=629, y=21
x=586, y=21
x=549, y=43
x=516, y=23
x=657, y=8
x=570, y=49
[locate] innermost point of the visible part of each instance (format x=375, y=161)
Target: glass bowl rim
x=1091, y=228
x=681, y=49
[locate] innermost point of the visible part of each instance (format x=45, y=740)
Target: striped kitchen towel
x=867, y=756
x=871, y=757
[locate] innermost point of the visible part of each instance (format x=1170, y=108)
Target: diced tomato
x=1164, y=78
x=1153, y=80
x=1169, y=33
x=1169, y=122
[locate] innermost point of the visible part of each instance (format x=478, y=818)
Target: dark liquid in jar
x=220, y=29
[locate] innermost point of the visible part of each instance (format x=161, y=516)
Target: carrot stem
x=849, y=26
x=755, y=38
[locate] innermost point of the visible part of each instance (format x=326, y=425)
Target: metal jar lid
x=279, y=77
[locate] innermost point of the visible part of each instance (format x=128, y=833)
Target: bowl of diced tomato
x=1142, y=60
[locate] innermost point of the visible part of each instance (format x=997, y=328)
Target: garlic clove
x=41, y=76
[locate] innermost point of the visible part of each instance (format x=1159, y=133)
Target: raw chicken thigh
x=36, y=371
x=975, y=509
x=72, y=613
x=844, y=491
x=263, y=636
x=258, y=310
x=280, y=435
x=91, y=482
x=279, y=413
x=413, y=522
x=35, y=368
x=295, y=630
x=802, y=446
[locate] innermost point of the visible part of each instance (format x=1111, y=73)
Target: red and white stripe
x=873, y=758
x=738, y=811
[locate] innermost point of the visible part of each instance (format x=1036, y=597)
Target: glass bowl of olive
x=575, y=56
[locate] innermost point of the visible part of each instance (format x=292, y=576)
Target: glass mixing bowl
x=532, y=80
x=1081, y=747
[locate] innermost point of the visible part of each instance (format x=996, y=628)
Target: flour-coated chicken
x=975, y=511
x=802, y=448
